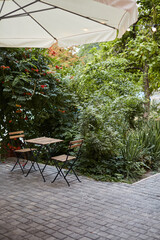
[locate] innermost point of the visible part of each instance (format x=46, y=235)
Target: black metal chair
x=17, y=143
x=68, y=160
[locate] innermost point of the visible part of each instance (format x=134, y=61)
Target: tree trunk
x=146, y=90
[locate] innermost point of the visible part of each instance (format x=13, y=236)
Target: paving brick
x=85, y=238
x=33, y=210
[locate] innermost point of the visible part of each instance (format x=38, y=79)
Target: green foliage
x=149, y=137
x=34, y=97
x=131, y=154
x=109, y=107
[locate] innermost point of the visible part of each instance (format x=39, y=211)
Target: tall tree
x=140, y=46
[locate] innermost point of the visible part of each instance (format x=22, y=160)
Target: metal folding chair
x=17, y=141
x=68, y=160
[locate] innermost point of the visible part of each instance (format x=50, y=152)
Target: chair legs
x=71, y=169
x=22, y=167
x=60, y=172
x=18, y=163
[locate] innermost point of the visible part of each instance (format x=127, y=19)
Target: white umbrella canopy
x=41, y=23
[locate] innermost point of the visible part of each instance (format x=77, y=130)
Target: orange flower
x=4, y=67
x=18, y=105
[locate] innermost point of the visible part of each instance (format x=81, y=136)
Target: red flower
x=3, y=67
x=57, y=67
x=26, y=70
x=43, y=86
x=18, y=148
x=62, y=111
x=53, y=53
x=26, y=118
x=27, y=94
x=10, y=121
x=35, y=70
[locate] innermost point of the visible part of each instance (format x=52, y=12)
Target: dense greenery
x=111, y=120
x=32, y=95
x=103, y=97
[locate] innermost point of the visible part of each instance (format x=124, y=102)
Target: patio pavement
x=33, y=210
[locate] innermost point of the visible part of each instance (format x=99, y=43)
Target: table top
x=43, y=140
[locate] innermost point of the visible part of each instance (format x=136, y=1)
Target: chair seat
x=24, y=150
x=63, y=158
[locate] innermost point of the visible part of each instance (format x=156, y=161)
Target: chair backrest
x=16, y=139
x=15, y=135
x=77, y=144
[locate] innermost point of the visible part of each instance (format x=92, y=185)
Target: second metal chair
x=68, y=160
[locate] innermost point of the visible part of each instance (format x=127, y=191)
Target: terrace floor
x=33, y=210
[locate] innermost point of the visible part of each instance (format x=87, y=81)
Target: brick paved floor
x=33, y=210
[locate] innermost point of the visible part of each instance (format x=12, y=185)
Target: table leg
x=35, y=161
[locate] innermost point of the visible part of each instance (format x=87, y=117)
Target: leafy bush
x=109, y=120
x=34, y=97
x=149, y=139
